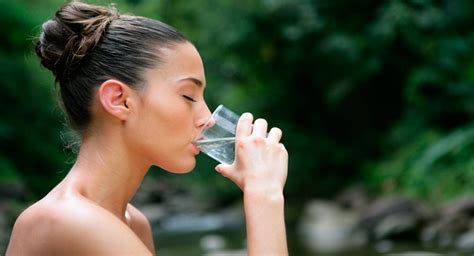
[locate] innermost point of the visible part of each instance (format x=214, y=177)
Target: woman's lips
x=195, y=147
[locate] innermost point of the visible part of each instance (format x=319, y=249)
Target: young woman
x=132, y=88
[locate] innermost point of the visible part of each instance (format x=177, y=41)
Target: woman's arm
x=260, y=170
x=266, y=233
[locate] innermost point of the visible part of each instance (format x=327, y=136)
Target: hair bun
x=74, y=31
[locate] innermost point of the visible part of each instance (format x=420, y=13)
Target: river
x=231, y=242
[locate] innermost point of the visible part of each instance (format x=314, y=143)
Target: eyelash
x=189, y=98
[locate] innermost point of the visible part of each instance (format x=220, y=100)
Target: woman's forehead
x=179, y=62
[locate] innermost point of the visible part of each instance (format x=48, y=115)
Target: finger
x=228, y=172
x=244, y=125
x=220, y=168
x=275, y=135
x=260, y=127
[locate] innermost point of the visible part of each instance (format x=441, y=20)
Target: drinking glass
x=217, y=139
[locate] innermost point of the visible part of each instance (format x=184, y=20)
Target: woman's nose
x=205, y=118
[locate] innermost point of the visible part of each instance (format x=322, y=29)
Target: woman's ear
x=113, y=96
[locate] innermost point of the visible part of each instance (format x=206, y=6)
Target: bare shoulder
x=141, y=226
x=71, y=226
x=137, y=217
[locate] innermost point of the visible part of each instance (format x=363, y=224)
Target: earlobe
x=113, y=96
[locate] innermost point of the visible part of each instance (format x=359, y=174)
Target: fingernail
x=246, y=115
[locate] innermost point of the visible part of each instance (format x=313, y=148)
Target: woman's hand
x=261, y=161
x=260, y=170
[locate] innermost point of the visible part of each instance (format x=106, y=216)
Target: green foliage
x=430, y=165
x=340, y=78
x=379, y=92
x=30, y=147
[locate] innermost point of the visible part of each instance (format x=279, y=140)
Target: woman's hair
x=84, y=45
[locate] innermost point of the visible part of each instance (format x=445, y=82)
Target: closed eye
x=189, y=98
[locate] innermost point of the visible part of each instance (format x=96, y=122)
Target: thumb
x=229, y=172
x=223, y=169
x=226, y=170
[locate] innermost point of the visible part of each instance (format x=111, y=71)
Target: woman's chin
x=183, y=170
x=180, y=168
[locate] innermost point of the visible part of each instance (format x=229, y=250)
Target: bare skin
x=260, y=171
x=89, y=213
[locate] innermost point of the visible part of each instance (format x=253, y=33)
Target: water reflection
x=231, y=242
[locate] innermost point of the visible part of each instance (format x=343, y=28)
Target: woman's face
x=172, y=110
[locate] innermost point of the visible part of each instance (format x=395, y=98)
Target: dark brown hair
x=84, y=45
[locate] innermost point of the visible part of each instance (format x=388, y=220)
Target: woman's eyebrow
x=194, y=80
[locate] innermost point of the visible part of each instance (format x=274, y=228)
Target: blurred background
x=375, y=98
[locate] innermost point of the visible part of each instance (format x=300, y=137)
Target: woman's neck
x=107, y=173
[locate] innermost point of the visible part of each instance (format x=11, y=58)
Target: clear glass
x=217, y=140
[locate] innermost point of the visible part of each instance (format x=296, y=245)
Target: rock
x=415, y=253
x=172, y=197
x=186, y=202
x=4, y=230
x=196, y=222
x=393, y=217
x=212, y=243
x=153, y=212
x=13, y=190
x=453, y=220
x=383, y=246
x=466, y=241
x=241, y=252
x=326, y=227
x=153, y=190
x=394, y=224
x=355, y=198
x=430, y=236
x=465, y=206
x=8, y=215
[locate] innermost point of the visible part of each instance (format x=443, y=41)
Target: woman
x=133, y=89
